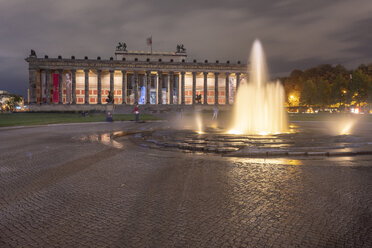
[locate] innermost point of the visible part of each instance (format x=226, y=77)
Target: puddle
x=105, y=139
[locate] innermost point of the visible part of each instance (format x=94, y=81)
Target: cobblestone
x=59, y=189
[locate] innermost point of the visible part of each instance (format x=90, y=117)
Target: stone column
x=177, y=89
x=32, y=83
x=205, y=87
x=193, y=87
x=86, y=86
x=41, y=86
x=47, y=85
x=160, y=87
x=99, y=87
x=123, y=88
x=112, y=88
x=73, y=85
x=135, y=88
x=148, y=86
x=182, y=87
x=237, y=81
x=156, y=88
x=60, y=90
x=227, y=88
x=216, y=88
x=171, y=86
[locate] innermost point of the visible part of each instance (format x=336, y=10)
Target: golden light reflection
x=214, y=125
x=294, y=162
x=106, y=139
x=293, y=128
x=232, y=131
x=276, y=161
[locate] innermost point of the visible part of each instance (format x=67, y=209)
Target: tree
x=322, y=93
x=13, y=101
x=293, y=84
x=359, y=86
x=307, y=93
x=339, y=90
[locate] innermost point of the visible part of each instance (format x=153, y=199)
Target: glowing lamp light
x=346, y=129
x=236, y=132
x=355, y=110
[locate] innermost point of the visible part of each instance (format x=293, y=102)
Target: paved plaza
x=74, y=186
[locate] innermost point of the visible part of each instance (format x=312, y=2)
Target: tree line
x=327, y=85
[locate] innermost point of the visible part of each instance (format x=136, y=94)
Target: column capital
x=227, y=73
x=183, y=73
x=205, y=73
x=86, y=70
x=99, y=70
x=194, y=73
x=111, y=71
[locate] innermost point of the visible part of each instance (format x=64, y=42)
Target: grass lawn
x=26, y=119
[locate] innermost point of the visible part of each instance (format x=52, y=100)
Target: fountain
x=260, y=126
x=259, y=107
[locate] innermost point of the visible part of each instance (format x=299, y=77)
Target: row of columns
x=32, y=75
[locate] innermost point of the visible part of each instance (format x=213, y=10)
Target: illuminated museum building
x=143, y=77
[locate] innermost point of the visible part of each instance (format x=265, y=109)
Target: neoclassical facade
x=133, y=77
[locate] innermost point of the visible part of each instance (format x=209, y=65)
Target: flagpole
x=151, y=44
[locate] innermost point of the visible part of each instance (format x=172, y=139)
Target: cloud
x=295, y=33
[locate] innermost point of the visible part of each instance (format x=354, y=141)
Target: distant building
x=143, y=77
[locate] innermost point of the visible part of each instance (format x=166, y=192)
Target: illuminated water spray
x=199, y=124
x=259, y=107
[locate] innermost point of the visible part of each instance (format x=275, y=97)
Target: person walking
x=136, y=112
x=215, y=112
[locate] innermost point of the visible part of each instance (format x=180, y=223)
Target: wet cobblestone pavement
x=299, y=141
x=75, y=186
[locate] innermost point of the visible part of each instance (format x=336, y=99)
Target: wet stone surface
x=83, y=186
x=298, y=143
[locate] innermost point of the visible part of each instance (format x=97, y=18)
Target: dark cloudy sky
x=296, y=34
